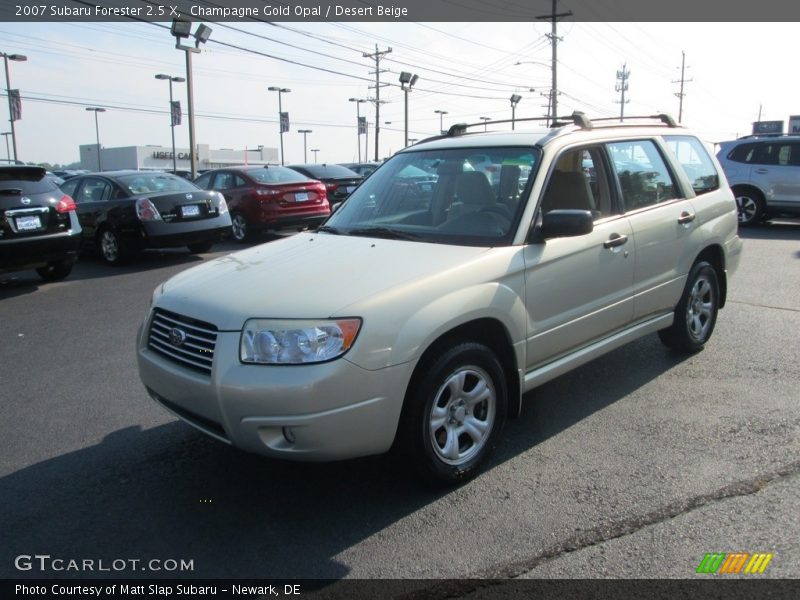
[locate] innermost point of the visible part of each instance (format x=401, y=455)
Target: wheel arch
x=487, y=331
x=716, y=256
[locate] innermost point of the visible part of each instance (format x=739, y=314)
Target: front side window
x=578, y=182
x=439, y=196
x=644, y=179
x=696, y=162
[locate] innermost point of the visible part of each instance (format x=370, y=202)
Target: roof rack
x=577, y=118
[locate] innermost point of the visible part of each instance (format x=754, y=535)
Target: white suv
x=418, y=316
x=764, y=174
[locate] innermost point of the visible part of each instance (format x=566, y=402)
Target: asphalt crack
x=598, y=535
x=757, y=305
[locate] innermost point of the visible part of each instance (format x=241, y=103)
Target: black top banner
x=400, y=10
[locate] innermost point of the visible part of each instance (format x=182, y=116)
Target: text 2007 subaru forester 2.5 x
x=424, y=308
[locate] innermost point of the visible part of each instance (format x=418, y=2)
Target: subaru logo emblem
x=177, y=336
x=188, y=196
x=25, y=200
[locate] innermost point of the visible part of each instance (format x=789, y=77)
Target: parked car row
x=46, y=220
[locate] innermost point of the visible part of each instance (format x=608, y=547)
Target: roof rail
x=665, y=118
x=577, y=117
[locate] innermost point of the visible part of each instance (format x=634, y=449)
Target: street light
x=97, y=132
x=304, y=132
x=181, y=28
x=8, y=152
x=358, y=102
x=485, y=119
x=515, y=98
x=280, y=91
x=6, y=58
x=407, y=81
x=315, y=150
x=172, y=79
x=413, y=140
x=441, y=114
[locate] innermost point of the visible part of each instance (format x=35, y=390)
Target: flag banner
x=284, y=122
x=16, y=105
x=362, y=125
x=176, y=113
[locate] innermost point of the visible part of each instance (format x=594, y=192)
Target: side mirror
x=562, y=223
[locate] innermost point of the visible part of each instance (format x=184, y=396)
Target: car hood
x=309, y=275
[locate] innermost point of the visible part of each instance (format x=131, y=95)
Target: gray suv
x=764, y=174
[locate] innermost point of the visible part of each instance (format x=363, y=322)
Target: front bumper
x=321, y=412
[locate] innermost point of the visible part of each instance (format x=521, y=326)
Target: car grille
x=183, y=340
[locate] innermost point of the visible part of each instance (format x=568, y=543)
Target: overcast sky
x=467, y=69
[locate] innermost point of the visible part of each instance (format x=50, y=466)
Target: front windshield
x=463, y=196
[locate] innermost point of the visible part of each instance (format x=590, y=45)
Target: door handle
x=615, y=240
x=686, y=217
x=761, y=171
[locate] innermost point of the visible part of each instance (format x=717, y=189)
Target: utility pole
x=377, y=56
x=682, y=80
x=622, y=87
x=553, y=17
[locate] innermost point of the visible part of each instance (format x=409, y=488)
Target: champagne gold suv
x=417, y=316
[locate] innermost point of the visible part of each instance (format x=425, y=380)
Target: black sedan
x=123, y=212
x=339, y=181
x=38, y=225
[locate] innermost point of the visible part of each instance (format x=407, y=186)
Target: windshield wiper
x=384, y=232
x=329, y=229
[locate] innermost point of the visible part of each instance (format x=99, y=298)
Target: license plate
x=350, y=189
x=301, y=197
x=28, y=223
x=190, y=210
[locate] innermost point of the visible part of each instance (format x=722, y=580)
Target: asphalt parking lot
x=633, y=466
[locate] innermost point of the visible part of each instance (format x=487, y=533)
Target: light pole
x=485, y=119
x=280, y=91
x=97, y=132
x=407, y=81
x=304, y=132
x=515, y=98
x=181, y=28
x=171, y=114
x=441, y=114
x=358, y=102
x=315, y=150
x=8, y=151
x=6, y=58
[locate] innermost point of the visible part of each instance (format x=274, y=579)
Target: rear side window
x=742, y=153
x=696, y=162
x=643, y=175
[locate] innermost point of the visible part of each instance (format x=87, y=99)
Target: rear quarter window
x=696, y=162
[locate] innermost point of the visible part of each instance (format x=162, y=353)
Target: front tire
x=696, y=313
x=453, y=413
x=749, y=206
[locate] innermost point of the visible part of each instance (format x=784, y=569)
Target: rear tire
x=55, y=271
x=112, y=249
x=696, y=313
x=453, y=412
x=200, y=248
x=241, y=229
x=749, y=206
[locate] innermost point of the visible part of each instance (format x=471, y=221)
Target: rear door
x=91, y=195
x=662, y=218
x=776, y=171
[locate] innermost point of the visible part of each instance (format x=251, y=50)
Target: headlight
x=294, y=342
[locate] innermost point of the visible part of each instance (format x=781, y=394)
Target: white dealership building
x=143, y=158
